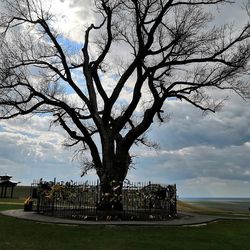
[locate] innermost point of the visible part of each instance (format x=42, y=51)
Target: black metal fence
x=140, y=201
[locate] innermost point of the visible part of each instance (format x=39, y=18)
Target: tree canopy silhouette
x=172, y=51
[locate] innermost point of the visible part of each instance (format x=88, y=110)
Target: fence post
x=141, y=200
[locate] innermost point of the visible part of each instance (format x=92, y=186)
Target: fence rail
x=140, y=201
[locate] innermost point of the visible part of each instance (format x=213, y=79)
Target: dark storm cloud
x=188, y=127
x=193, y=147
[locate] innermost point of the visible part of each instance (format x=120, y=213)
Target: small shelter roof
x=5, y=177
x=5, y=181
x=5, y=184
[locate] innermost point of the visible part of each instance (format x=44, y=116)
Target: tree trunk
x=111, y=180
x=111, y=194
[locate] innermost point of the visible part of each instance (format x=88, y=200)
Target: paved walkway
x=183, y=219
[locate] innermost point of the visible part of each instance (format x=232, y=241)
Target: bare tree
x=173, y=51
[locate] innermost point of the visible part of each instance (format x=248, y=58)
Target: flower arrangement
x=59, y=191
x=28, y=203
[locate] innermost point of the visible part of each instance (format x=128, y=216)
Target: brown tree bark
x=112, y=176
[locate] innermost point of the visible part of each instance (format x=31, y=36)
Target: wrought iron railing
x=140, y=201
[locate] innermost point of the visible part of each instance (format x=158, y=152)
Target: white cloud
x=200, y=153
x=29, y=150
x=71, y=17
x=212, y=187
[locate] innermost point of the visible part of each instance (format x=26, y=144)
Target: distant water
x=234, y=204
x=215, y=199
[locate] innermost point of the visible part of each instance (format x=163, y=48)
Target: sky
x=205, y=156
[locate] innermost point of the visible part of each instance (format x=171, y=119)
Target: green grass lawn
x=18, y=234
x=8, y=206
x=21, y=234
x=20, y=192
